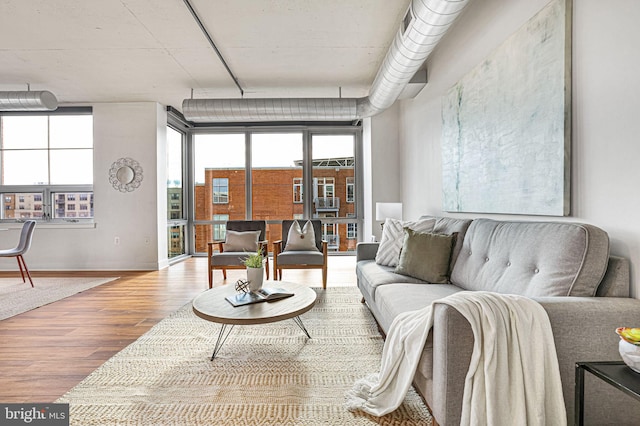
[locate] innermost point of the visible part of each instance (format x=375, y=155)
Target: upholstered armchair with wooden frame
x=238, y=244
x=286, y=258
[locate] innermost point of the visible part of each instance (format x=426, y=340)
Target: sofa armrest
x=366, y=251
x=583, y=330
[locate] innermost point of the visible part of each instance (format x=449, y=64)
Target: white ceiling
x=87, y=51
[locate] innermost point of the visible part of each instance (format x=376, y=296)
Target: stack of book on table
x=265, y=294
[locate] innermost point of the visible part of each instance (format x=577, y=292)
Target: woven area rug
x=17, y=297
x=264, y=375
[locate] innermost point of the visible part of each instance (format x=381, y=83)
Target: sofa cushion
x=450, y=225
x=393, y=299
x=371, y=276
x=301, y=239
x=392, y=238
x=425, y=256
x=242, y=241
x=532, y=259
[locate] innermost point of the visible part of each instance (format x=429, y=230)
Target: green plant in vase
x=254, y=260
x=255, y=270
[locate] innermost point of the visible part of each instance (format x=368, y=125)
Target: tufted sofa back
x=533, y=259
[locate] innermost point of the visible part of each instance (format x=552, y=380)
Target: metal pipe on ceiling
x=213, y=45
x=425, y=23
x=37, y=100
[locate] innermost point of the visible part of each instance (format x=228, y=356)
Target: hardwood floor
x=47, y=351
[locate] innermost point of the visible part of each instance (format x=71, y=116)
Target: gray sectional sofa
x=564, y=266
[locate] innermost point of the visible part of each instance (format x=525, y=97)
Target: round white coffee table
x=212, y=306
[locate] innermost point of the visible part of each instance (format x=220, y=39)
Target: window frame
x=297, y=183
x=308, y=130
x=217, y=197
x=352, y=231
x=350, y=183
x=49, y=190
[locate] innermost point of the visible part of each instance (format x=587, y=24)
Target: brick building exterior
x=277, y=195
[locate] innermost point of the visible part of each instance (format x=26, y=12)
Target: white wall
x=606, y=105
x=135, y=130
x=382, y=149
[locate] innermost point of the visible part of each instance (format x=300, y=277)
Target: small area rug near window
x=17, y=297
x=265, y=374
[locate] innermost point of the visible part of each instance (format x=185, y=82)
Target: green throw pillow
x=426, y=256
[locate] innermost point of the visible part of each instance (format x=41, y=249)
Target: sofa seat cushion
x=393, y=299
x=533, y=259
x=371, y=276
x=299, y=257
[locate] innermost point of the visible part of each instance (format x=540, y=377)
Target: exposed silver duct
x=28, y=101
x=423, y=27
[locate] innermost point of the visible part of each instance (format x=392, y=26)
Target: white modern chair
x=23, y=246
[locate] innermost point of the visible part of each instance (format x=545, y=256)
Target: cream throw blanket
x=513, y=376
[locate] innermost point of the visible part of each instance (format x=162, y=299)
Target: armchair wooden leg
x=324, y=277
x=267, y=268
x=224, y=274
x=275, y=267
x=210, y=277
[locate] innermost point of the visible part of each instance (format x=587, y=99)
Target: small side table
x=616, y=373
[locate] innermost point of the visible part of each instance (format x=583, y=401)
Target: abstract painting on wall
x=506, y=134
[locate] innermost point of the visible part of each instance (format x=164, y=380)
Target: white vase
x=255, y=277
x=630, y=354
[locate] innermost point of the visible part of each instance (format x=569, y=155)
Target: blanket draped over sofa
x=513, y=376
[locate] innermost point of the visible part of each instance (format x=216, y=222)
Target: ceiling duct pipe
x=28, y=101
x=422, y=28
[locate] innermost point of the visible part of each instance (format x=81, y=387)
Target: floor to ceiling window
x=176, y=202
x=334, y=191
x=272, y=175
x=218, y=191
x=276, y=179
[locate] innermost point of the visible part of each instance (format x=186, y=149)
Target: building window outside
x=220, y=229
x=297, y=190
x=220, y=191
x=351, y=190
x=326, y=187
x=352, y=231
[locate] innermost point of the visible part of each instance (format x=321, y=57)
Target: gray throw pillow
x=301, y=239
x=426, y=256
x=392, y=237
x=245, y=241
